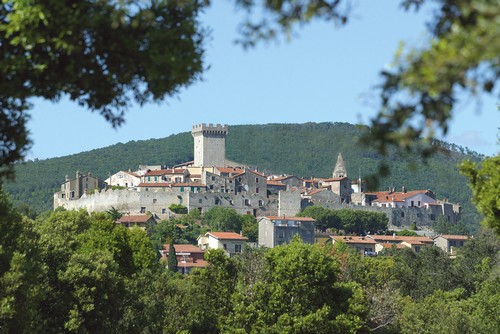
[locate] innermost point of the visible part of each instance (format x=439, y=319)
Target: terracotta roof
x=158, y=184
x=229, y=170
x=394, y=196
x=195, y=176
x=275, y=183
x=158, y=172
x=185, y=164
x=353, y=239
x=453, y=237
x=227, y=235
x=388, y=245
x=134, y=219
x=257, y=173
x=315, y=191
x=399, y=238
x=188, y=184
x=333, y=179
x=303, y=219
x=284, y=177
x=184, y=248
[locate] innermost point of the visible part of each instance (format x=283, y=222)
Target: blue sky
x=323, y=75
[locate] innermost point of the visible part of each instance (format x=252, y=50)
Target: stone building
x=209, y=145
x=82, y=184
x=279, y=230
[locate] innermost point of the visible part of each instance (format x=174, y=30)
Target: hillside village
x=155, y=193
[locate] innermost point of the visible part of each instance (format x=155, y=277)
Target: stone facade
x=279, y=230
x=209, y=144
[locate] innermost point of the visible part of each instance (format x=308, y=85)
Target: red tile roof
x=393, y=196
x=353, y=239
x=227, y=235
x=315, y=191
x=453, y=237
x=397, y=238
x=134, y=219
x=303, y=219
x=152, y=185
x=229, y=170
x=334, y=179
x=257, y=173
x=188, y=184
x=275, y=183
x=184, y=248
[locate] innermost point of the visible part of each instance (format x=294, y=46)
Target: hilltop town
x=212, y=180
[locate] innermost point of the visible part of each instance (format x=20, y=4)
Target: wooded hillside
x=306, y=150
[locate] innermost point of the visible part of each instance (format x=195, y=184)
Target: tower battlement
x=214, y=129
x=209, y=144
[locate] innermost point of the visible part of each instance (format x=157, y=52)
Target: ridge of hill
x=304, y=150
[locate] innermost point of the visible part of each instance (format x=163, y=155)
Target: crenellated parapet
x=210, y=129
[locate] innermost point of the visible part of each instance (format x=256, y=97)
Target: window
x=213, y=178
x=453, y=243
x=200, y=201
x=402, y=214
x=225, y=246
x=211, y=187
x=143, y=209
x=182, y=189
x=432, y=216
x=156, y=178
x=281, y=234
x=149, y=178
x=256, y=190
x=237, y=248
x=217, y=201
x=231, y=202
x=412, y=203
x=163, y=211
x=256, y=180
x=417, y=249
x=192, y=189
x=62, y=195
x=154, y=200
x=72, y=194
x=247, y=201
x=261, y=202
x=418, y=203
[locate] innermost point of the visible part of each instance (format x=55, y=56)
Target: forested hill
x=309, y=149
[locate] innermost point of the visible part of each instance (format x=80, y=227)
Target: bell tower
x=339, y=170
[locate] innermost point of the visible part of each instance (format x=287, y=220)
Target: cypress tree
x=172, y=259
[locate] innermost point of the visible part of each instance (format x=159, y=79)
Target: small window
x=247, y=201
x=261, y=203
x=192, y=189
x=225, y=246
x=154, y=200
x=163, y=211
x=200, y=201
x=256, y=180
x=412, y=203
x=402, y=214
x=256, y=190
x=237, y=248
x=211, y=187
x=418, y=203
x=182, y=189
x=213, y=178
x=143, y=209
x=156, y=178
x=149, y=178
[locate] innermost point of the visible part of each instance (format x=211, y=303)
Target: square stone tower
x=209, y=145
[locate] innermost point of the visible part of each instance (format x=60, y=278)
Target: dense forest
x=75, y=272
x=304, y=150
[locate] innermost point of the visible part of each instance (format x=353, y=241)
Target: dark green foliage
x=223, y=219
x=178, y=208
x=442, y=226
x=348, y=220
x=172, y=258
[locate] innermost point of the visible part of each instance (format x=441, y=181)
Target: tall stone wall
x=289, y=203
x=254, y=204
x=209, y=144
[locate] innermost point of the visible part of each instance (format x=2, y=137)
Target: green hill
x=309, y=149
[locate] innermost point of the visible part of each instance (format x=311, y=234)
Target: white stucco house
x=232, y=243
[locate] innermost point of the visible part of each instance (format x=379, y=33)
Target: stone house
x=124, y=179
x=449, y=243
x=141, y=221
x=188, y=257
x=232, y=243
x=362, y=245
x=279, y=230
x=82, y=184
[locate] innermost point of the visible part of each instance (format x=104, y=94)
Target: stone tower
x=209, y=145
x=340, y=170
